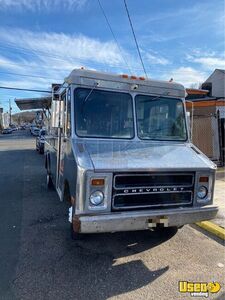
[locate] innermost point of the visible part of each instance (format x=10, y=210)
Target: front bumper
x=141, y=220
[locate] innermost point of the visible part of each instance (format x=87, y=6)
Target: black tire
x=50, y=184
x=166, y=231
x=66, y=198
x=75, y=235
x=41, y=151
x=46, y=161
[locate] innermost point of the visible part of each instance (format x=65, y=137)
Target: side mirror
x=190, y=119
x=56, y=114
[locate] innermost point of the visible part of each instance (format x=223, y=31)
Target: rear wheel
x=41, y=150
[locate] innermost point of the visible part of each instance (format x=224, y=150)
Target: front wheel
x=75, y=235
x=166, y=231
x=50, y=184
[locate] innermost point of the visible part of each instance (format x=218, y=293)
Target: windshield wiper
x=96, y=84
x=91, y=91
x=153, y=99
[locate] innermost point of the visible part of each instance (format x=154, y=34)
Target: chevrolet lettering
x=153, y=190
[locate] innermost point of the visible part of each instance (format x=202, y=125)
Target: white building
x=1, y=122
x=5, y=120
x=215, y=84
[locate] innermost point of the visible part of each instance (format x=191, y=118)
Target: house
x=215, y=84
x=1, y=120
x=6, y=119
x=206, y=107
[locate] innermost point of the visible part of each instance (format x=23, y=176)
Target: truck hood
x=144, y=156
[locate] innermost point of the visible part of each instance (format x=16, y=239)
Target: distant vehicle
x=35, y=131
x=40, y=141
x=14, y=128
x=7, y=131
x=32, y=127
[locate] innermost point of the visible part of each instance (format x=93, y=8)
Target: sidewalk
x=219, y=197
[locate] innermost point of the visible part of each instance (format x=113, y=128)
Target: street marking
x=213, y=228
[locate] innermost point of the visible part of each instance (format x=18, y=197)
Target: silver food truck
x=119, y=151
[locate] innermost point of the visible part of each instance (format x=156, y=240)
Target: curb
x=213, y=228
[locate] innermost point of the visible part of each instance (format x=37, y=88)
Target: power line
x=27, y=75
x=21, y=89
x=156, y=68
x=110, y=28
x=135, y=39
x=57, y=57
x=80, y=60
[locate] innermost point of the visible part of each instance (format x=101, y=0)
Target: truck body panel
x=100, y=149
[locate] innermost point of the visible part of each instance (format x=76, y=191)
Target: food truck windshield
x=109, y=114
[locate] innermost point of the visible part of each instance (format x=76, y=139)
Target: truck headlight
x=202, y=192
x=96, y=198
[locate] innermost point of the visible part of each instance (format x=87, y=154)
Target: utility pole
x=1, y=116
x=10, y=113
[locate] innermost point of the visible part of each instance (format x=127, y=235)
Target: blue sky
x=45, y=39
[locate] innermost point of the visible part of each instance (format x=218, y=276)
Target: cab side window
x=63, y=112
x=68, y=114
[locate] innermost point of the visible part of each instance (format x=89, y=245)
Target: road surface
x=38, y=260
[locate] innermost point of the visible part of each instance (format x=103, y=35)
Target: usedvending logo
x=199, y=289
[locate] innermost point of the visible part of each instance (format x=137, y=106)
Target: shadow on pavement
x=105, y=274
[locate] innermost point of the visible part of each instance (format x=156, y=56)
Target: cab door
x=61, y=146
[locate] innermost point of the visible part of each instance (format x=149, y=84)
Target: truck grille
x=161, y=190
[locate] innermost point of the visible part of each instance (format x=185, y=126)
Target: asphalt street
x=38, y=259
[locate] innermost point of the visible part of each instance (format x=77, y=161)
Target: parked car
x=35, y=131
x=40, y=141
x=32, y=128
x=14, y=128
x=7, y=131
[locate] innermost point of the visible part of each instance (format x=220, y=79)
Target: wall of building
x=5, y=120
x=1, y=122
x=218, y=83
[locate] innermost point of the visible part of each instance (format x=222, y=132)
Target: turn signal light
x=203, y=179
x=97, y=181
